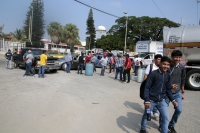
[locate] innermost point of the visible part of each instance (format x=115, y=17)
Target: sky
x=13, y=12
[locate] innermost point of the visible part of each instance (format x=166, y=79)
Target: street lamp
x=126, y=30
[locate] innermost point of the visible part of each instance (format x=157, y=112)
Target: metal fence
x=5, y=45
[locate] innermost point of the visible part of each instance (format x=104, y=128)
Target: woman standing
x=68, y=60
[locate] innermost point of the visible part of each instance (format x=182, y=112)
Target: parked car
x=62, y=63
x=52, y=62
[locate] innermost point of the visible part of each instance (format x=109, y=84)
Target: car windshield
x=141, y=55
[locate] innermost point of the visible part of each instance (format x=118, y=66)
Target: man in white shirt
x=150, y=68
x=103, y=61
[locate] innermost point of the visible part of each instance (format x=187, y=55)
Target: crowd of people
x=169, y=76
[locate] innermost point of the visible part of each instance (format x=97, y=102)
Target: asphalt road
x=72, y=103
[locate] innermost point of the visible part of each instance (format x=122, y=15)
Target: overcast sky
x=13, y=12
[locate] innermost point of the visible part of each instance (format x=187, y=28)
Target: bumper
x=49, y=67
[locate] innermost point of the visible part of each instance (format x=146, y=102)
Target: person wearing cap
x=29, y=60
x=103, y=62
x=8, y=57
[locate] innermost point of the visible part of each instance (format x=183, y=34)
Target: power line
x=96, y=9
x=158, y=8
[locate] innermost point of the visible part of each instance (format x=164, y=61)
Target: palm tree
x=54, y=29
x=18, y=34
x=71, y=33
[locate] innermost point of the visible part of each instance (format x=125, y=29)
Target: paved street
x=72, y=103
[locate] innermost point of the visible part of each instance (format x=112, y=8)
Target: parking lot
x=72, y=103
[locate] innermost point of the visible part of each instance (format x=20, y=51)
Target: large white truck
x=187, y=40
x=148, y=49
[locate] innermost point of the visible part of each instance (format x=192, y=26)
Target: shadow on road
x=132, y=121
x=135, y=106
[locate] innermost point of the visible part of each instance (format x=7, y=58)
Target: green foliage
x=38, y=20
x=71, y=33
x=90, y=31
x=18, y=34
x=145, y=27
x=54, y=29
x=77, y=42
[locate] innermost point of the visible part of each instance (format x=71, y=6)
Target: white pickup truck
x=148, y=49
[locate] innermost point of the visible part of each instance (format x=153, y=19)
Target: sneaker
x=156, y=116
x=142, y=131
x=38, y=76
x=160, y=128
x=172, y=130
x=125, y=82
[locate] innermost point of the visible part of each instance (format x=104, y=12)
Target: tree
x=37, y=8
x=141, y=28
x=18, y=34
x=77, y=42
x=90, y=31
x=55, y=30
x=70, y=33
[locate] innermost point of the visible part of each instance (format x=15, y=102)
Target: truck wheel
x=193, y=79
x=15, y=64
x=54, y=71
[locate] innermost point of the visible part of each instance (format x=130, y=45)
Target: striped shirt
x=119, y=62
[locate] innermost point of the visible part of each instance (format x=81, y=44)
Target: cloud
x=116, y=4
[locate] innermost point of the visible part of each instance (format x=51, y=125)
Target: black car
x=52, y=62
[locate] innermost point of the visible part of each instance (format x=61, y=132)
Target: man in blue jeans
x=104, y=62
x=158, y=86
x=43, y=63
x=80, y=63
x=178, y=75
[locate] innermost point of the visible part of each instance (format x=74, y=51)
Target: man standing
x=137, y=64
x=80, y=63
x=104, y=61
x=93, y=61
x=8, y=57
x=127, y=68
x=43, y=63
x=149, y=69
x=178, y=75
x=154, y=94
x=29, y=60
x=119, y=66
x=112, y=63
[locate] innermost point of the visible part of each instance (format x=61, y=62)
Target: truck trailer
x=187, y=40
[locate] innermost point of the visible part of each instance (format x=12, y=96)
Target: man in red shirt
x=127, y=68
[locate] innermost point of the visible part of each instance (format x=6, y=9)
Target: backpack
x=142, y=86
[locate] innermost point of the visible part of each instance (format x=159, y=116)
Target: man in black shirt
x=8, y=57
x=80, y=63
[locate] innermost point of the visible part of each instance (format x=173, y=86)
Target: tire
x=64, y=67
x=54, y=71
x=15, y=64
x=193, y=79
